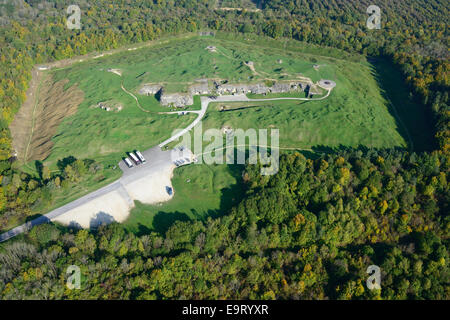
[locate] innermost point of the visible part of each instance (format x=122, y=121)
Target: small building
x=176, y=99
x=280, y=87
x=201, y=87
x=150, y=89
x=206, y=33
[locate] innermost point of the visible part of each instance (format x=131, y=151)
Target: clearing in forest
x=356, y=113
x=359, y=112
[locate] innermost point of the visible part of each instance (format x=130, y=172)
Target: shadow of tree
x=74, y=225
x=413, y=121
x=39, y=167
x=36, y=217
x=101, y=218
x=163, y=220
x=142, y=230
x=322, y=149
x=232, y=195
x=62, y=164
x=328, y=150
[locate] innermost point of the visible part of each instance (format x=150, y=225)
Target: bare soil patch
x=54, y=104
x=116, y=71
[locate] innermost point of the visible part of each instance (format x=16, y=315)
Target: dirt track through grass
x=135, y=98
x=23, y=121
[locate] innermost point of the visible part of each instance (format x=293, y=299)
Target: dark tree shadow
x=163, y=220
x=414, y=122
x=197, y=215
x=39, y=168
x=232, y=195
x=341, y=149
x=101, y=218
x=62, y=164
x=74, y=225
x=320, y=149
x=258, y=3
x=309, y=154
x=36, y=220
x=158, y=95
x=35, y=217
x=143, y=230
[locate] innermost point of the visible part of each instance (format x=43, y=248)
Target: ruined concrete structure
x=150, y=89
x=312, y=89
x=176, y=99
x=202, y=87
x=206, y=33
x=261, y=88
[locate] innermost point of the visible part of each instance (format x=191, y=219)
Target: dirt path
x=33, y=123
x=22, y=126
x=135, y=98
x=261, y=146
x=205, y=101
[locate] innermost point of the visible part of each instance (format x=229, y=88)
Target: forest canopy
x=308, y=232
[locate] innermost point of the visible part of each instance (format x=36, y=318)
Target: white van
x=135, y=159
x=128, y=163
x=141, y=156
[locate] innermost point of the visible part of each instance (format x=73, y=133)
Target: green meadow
x=355, y=114
x=201, y=191
x=363, y=110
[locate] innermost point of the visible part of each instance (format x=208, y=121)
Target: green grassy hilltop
x=358, y=113
x=355, y=114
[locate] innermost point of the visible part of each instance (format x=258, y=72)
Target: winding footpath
x=134, y=97
x=205, y=101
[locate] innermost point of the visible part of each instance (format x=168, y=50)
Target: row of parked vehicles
x=179, y=162
x=136, y=159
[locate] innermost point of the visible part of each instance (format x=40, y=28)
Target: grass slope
x=200, y=191
x=358, y=112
